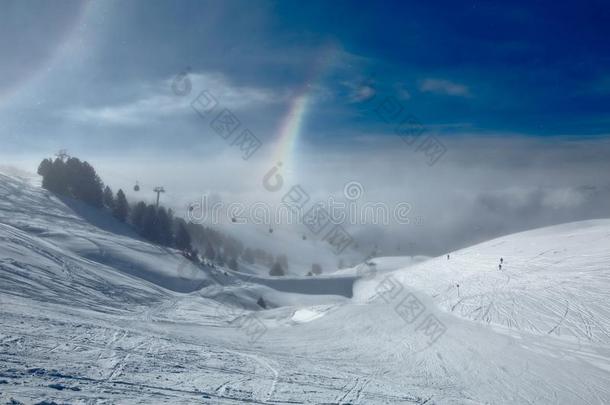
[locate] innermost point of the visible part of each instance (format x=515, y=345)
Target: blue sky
x=531, y=68
x=519, y=93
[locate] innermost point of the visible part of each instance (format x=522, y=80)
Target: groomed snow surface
x=90, y=313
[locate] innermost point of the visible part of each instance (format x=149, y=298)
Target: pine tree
x=121, y=207
x=163, y=228
x=83, y=183
x=137, y=216
x=108, y=198
x=316, y=269
x=149, y=223
x=73, y=176
x=172, y=219
x=276, y=270
x=55, y=179
x=45, y=167
x=91, y=190
x=182, y=239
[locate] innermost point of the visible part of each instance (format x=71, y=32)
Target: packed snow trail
x=91, y=313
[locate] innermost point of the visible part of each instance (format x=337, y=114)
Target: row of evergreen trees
x=226, y=250
x=78, y=179
x=159, y=225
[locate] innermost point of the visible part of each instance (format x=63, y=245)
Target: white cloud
x=158, y=102
x=136, y=112
x=446, y=87
x=359, y=91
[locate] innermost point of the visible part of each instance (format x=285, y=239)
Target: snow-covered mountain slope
x=553, y=280
x=92, y=314
x=38, y=222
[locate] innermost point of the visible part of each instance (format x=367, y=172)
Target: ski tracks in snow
x=266, y=364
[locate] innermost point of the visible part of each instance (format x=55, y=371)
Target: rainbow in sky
x=290, y=127
x=292, y=123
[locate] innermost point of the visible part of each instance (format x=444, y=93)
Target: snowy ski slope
x=92, y=314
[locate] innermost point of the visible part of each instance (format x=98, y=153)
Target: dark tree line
x=216, y=246
x=78, y=180
x=226, y=250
